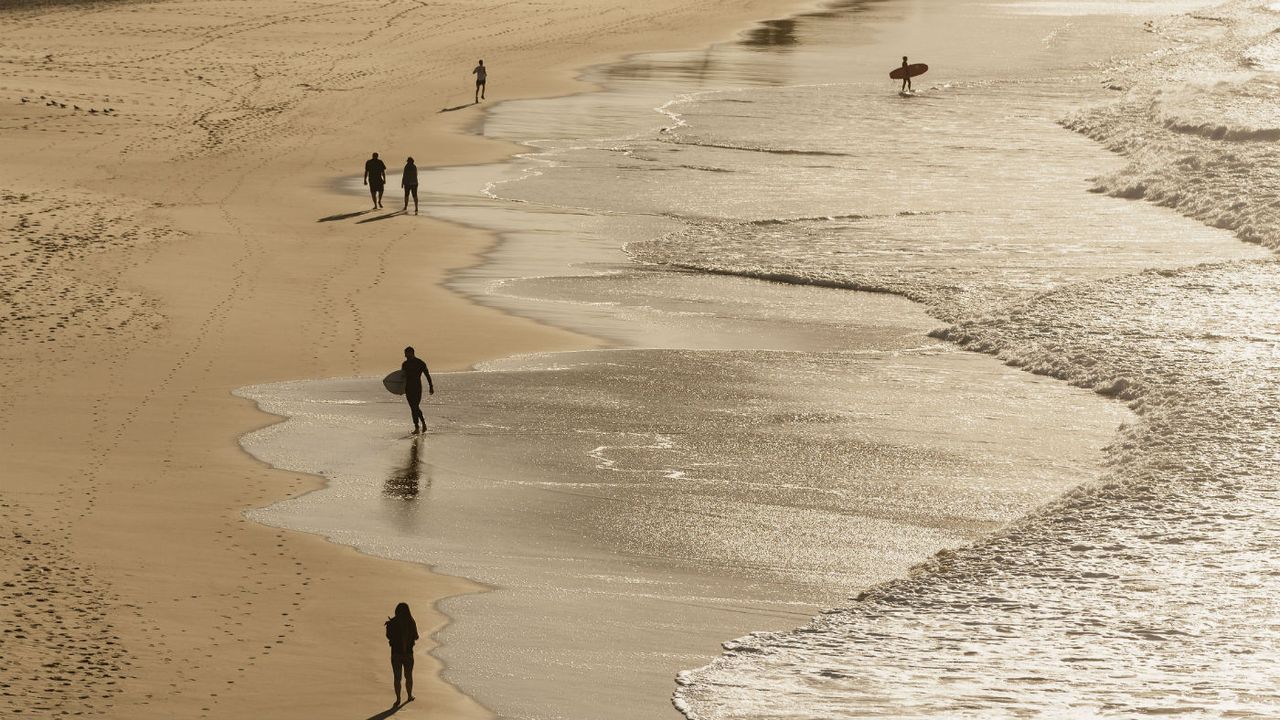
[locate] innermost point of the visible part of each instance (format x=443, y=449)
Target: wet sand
x=170, y=236
x=633, y=509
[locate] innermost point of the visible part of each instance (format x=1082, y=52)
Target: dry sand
x=159, y=255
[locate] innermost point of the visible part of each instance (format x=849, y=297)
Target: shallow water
x=631, y=508
x=1152, y=590
x=984, y=219
x=772, y=447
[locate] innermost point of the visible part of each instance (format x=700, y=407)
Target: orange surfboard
x=909, y=71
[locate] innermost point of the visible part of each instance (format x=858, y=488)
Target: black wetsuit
x=414, y=369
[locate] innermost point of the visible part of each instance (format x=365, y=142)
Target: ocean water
x=1082, y=190
x=1152, y=588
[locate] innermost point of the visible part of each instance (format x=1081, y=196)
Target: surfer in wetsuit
x=414, y=369
x=481, y=75
x=906, y=75
x=409, y=181
x=375, y=176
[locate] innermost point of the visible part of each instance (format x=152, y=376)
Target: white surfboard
x=394, y=383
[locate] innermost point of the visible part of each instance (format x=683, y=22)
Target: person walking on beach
x=481, y=75
x=402, y=633
x=409, y=181
x=906, y=75
x=375, y=176
x=414, y=368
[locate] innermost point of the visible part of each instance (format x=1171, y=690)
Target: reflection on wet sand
x=405, y=481
x=781, y=34
x=711, y=67
x=771, y=34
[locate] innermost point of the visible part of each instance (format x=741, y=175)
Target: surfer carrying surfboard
x=414, y=368
x=905, y=73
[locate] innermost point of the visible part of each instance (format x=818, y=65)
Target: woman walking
x=409, y=181
x=402, y=633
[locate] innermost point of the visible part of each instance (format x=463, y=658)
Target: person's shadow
x=389, y=711
x=343, y=216
x=458, y=107
x=376, y=218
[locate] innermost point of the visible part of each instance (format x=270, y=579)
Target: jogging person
x=481, y=74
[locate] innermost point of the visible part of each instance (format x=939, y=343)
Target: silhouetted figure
x=409, y=181
x=402, y=633
x=414, y=369
x=481, y=75
x=375, y=176
x=906, y=75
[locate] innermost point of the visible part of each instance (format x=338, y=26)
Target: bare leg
x=415, y=201
x=408, y=679
x=396, y=665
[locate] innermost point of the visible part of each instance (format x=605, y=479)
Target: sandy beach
x=164, y=184
x=766, y=387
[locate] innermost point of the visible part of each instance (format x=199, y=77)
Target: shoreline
x=1068, y=493
x=123, y=476
x=220, y=232
x=917, y=304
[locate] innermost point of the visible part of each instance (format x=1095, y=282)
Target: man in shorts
x=375, y=176
x=481, y=74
